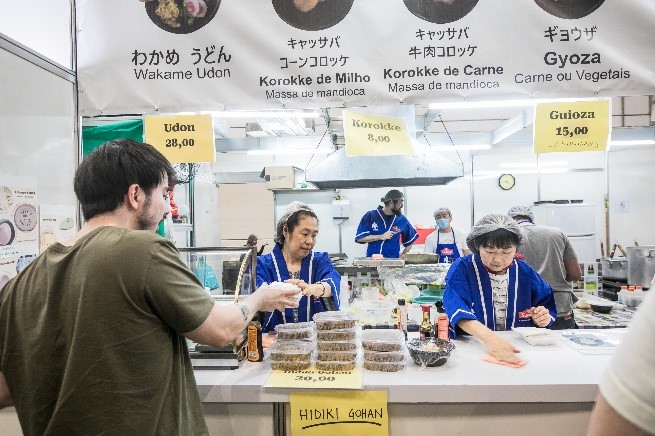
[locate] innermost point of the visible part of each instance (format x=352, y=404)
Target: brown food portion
x=330, y=335
x=372, y=356
x=382, y=346
x=384, y=367
x=336, y=346
x=335, y=324
x=290, y=366
x=341, y=356
x=297, y=334
x=335, y=366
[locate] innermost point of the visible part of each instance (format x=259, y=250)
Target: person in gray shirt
x=549, y=252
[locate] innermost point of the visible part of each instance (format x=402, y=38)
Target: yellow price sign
x=571, y=126
x=375, y=135
x=316, y=379
x=181, y=138
x=342, y=413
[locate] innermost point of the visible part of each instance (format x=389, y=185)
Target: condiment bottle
x=402, y=317
x=255, y=347
x=425, y=329
x=441, y=323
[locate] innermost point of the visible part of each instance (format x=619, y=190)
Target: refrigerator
x=577, y=221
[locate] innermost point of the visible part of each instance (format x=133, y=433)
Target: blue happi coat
x=468, y=294
x=316, y=267
x=375, y=222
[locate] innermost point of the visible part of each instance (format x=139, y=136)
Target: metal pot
x=614, y=269
x=641, y=265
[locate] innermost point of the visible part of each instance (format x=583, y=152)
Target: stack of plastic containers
x=293, y=348
x=384, y=350
x=336, y=341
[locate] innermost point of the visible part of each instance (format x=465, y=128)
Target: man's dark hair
x=392, y=195
x=499, y=238
x=104, y=176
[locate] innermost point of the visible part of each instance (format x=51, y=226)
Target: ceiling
x=435, y=127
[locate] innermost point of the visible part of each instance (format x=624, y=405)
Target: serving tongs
x=614, y=247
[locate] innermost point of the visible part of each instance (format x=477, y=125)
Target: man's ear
x=134, y=196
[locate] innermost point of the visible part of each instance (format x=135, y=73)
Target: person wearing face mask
x=382, y=228
x=446, y=241
x=490, y=290
x=294, y=261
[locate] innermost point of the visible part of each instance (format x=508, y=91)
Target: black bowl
x=601, y=307
x=430, y=352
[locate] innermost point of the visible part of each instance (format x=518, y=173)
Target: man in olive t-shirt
x=92, y=333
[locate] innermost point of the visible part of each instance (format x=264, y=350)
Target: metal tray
x=368, y=261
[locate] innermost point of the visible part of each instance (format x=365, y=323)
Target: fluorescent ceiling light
x=264, y=114
x=634, y=142
x=459, y=147
x=290, y=151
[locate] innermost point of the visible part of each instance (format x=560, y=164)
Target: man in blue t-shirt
x=381, y=228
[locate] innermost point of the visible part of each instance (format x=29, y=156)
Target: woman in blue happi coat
x=294, y=261
x=489, y=290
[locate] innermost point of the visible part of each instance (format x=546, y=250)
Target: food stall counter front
x=553, y=393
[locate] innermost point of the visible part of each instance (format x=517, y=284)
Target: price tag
x=181, y=138
x=312, y=378
x=340, y=413
x=375, y=135
x=571, y=126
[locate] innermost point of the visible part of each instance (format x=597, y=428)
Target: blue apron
x=447, y=252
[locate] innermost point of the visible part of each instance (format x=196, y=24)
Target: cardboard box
x=282, y=177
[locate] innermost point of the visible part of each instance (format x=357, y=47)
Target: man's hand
x=541, y=316
x=387, y=235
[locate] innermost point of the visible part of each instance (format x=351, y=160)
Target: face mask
x=443, y=223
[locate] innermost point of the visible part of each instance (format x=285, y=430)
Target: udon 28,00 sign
x=181, y=138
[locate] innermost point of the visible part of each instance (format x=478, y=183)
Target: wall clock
x=25, y=217
x=506, y=181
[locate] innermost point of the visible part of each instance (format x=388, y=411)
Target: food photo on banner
x=569, y=9
x=312, y=14
x=440, y=11
x=181, y=16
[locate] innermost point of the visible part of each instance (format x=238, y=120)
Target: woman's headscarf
x=292, y=208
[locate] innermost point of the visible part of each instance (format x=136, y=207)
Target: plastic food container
x=300, y=330
x=286, y=286
x=373, y=312
x=331, y=320
x=290, y=366
x=382, y=356
x=384, y=366
x=337, y=335
x=430, y=352
x=291, y=351
x=322, y=365
x=383, y=340
x=336, y=345
x=337, y=356
x=632, y=299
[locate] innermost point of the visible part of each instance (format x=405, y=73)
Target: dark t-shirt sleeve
x=173, y=291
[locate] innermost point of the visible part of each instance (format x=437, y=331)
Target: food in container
x=430, y=352
x=384, y=356
x=383, y=340
x=334, y=320
x=337, y=356
x=336, y=345
x=286, y=287
x=384, y=366
x=290, y=366
x=299, y=330
x=335, y=365
x=337, y=335
x=291, y=351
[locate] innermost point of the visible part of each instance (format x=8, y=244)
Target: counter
x=552, y=394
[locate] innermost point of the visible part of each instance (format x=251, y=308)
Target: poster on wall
x=194, y=55
x=19, y=233
x=57, y=223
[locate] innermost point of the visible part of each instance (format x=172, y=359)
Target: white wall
x=42, y=25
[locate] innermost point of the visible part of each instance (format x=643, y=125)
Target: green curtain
x=94, y=136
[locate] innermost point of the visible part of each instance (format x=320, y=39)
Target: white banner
x=192, y=55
